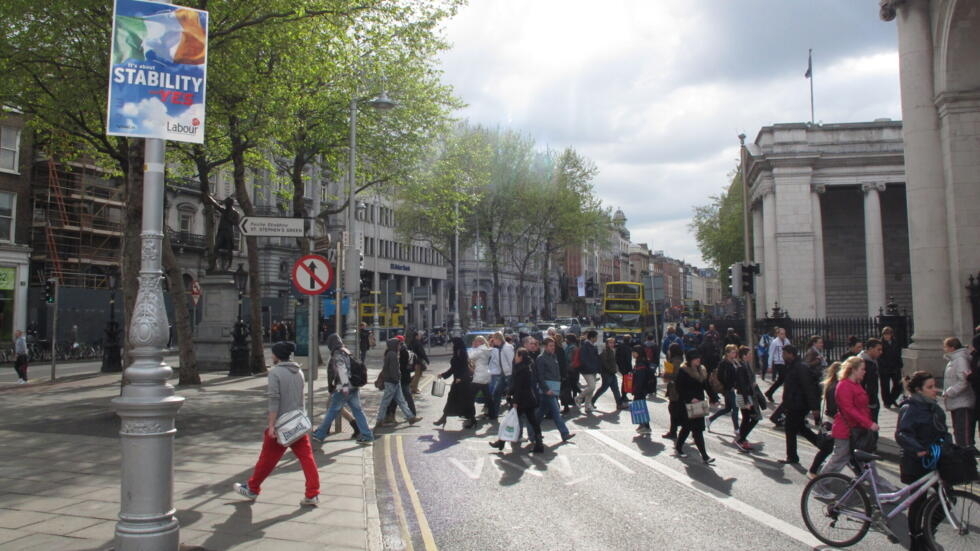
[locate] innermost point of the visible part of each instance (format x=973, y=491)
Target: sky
x=655, y=92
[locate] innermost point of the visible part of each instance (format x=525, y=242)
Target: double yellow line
x=426, y=533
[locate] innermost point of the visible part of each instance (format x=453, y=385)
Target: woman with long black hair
x=745, y=388
x=460, y=400
x=691, y=378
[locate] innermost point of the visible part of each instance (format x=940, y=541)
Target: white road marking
x=622, y=467
x=473, y=473
x=520, y=467
x=728, y=501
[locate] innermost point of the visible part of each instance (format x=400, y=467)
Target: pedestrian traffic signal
x=748, y=278
x=50, y=291
x=735, y=279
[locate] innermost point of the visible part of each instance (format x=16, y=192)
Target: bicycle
x=837, y=510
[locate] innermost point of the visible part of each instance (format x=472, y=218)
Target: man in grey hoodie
x=391, y=374
x=285, y=392
x=345, y=394
x=549, y=385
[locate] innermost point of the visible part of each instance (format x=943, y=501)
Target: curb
x=373, y=514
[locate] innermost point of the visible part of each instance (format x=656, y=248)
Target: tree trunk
x=495, y=274
x=257, y=357
x=129, y=262
x=204, y=180
x=545, y=277
x=188, y=358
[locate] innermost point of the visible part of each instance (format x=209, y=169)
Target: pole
x=375, y=276
x=54, y=328
x=810, y=67
x=147, y=405
x=352, y=268
x=457, y=329
x=314, y=340
x=746, y=248
x=479, y=296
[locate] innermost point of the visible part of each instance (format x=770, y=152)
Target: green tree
x=718, y=229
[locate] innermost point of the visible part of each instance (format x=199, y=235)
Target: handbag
x=639, y=412
x=510, y=427
x=957, y=465
x=863, y=439
x=379, y=383
x=438, y=388
x=696, y=410
x=628, y=383
x=291, y=426
x=742, y=402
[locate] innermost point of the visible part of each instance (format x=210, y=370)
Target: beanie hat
x=283, y=350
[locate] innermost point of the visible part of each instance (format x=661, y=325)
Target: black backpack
x=358, y=373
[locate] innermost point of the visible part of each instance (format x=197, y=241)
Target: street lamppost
x=457, y=330
x=147, y=405
x=352, y=271
x=239, y=344
x=375, y=275
x=111, y=357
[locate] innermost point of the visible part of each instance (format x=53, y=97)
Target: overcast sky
x=656, y=92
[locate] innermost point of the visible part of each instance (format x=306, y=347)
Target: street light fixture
x=239, y=344
x=352, y=271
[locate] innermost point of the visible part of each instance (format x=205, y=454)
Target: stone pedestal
x=924, y=358
x=219, y=308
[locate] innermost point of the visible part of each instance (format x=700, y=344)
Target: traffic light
x=748, y=278
x=590, y=287
x=735, y=279
x=50, y=291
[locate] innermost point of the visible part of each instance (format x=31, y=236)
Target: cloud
x=655, y=93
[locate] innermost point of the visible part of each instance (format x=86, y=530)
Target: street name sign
x=268, y=226
x=312, y=274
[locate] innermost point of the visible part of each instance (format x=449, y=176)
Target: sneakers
x=708, y=460
x=21, y=381
x=567, y=437
x=245, y=492
x=644, y=430
x=316, y=440
x=414, y=420
x=679, y=453
x=310, y=501
x=364, y=441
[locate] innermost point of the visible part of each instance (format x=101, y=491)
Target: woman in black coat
x=460, y=400
x=522, y=396
x=690, y=383
x=921, y=423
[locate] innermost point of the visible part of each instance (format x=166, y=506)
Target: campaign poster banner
x=157, y=71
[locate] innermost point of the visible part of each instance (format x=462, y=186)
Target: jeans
x=551, y=404
x=584, y=398
x=337, y=401
x=407, y=393
x=529, y=420
x=608, y=382
x=272, y=452
x=393, y=391
x=498, y=386
x=729, y=408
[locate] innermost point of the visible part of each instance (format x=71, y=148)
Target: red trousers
x=271, y=454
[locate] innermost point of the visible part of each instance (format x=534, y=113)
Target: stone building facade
x=829, y=215
x=15, y=226
x=939, y=75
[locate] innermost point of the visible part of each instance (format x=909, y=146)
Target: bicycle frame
x=904, y=496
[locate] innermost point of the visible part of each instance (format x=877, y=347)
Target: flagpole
x=810, y=65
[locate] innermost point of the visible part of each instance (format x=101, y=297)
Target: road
x=606, y=489
x=41, y=371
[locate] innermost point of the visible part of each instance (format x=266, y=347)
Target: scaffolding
x=77, y=224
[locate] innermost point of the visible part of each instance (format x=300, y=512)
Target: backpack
x=412, y=358
x=576, y=360
x=690, y=340
x=358, y=373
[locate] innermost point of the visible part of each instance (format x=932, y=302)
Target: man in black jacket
x=872, y=351
x=801, y=394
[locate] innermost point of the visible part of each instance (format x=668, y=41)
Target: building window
x=9, y=149
x=8, y=202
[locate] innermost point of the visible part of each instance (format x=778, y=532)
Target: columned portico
x=874, y=246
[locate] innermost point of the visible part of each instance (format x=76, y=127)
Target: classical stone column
x=758, y=252
x=770, y=262
x=924, y=188
x=820, y=285
x=874, y=246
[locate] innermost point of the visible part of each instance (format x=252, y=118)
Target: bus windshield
x=622, y=321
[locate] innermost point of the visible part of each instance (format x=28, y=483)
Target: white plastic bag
x=510, y=427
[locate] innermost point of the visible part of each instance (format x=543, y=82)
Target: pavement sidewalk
x=60, y=471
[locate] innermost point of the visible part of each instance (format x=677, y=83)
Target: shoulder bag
x=291, y=426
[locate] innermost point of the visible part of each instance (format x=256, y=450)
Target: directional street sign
x=312, y=274
x=267, y=226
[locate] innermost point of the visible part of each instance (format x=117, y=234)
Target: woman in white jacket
x=480, y=356
x=960, y=400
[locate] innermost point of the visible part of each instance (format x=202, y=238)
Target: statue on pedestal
x=224, y=239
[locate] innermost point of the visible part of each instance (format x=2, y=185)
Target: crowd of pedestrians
x=834, y=405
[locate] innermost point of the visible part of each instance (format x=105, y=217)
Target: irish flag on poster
x=157, y=71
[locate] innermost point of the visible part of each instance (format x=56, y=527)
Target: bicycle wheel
x=834, y=519
x=940, y=534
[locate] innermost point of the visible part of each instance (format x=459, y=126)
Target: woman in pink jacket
x=852, y=412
